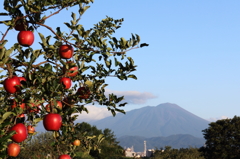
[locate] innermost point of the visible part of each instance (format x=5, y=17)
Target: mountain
x=154, y=121
x=175, y=141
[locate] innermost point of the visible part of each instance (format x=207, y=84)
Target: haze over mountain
x=154, y=121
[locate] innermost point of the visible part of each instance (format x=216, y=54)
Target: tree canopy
x=56, y=80
x=183, y=153
x=222, y=139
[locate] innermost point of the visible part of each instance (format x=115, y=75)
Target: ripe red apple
x=73, y=71
x=83, y=92
x=76, y=142
x=30, y=129
x=66, y=51
x=52, y=122
x=20, y=25
x=13, y=149
x=11, y=85
x=64, y=157
x=21, y=132
x=59, y=105
x=67, y=82
x=25, y=38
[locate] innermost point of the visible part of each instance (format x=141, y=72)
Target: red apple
x=52, y=122
x=20, y=25
x=25, y=38
x=21, y=132
x=21, y=116
x=67, y=82
x=73, y=71
x=30, y=129
x=83, y=92
x=76, y=142
x=59, y=105
x=13, y=149
x=11, y=85
x=66, y=51
x=64, y=157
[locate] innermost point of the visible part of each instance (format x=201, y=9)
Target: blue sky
x=193, y=56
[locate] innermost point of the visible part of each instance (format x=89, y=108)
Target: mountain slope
x=162, y=120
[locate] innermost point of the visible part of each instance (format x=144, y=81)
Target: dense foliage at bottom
x=40, y=146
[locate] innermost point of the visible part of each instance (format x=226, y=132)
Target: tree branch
x=4, y=35
x=51, y=15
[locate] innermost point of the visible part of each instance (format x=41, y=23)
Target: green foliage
x=183, y=153
x=222, y=139
x=97, y=54
x=95, y=143
x=107, y=148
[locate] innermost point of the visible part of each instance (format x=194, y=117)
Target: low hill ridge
x=175, y=141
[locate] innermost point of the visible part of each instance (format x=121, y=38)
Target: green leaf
x=124, y=41
x=132, y=76
x=43, y=39
x=138, y=38
x=113, y=112
x=143, y=44
x=73, y=16
x=2, y=53
x=3, y=43
x=8, y=23
x=48, y=67
x=36, y=120
x=5, y=115
x=3, y=13
x=100, y=138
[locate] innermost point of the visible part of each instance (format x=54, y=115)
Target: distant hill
x=175, y=141
x=154, y=121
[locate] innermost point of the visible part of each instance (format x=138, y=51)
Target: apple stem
x=51, y=107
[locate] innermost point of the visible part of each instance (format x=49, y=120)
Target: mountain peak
x=152, y=121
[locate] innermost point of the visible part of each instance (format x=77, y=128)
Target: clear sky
x=193, y=58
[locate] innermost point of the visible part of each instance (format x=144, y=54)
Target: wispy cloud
x=218, y=118
x=95, y=113
x=133, y=97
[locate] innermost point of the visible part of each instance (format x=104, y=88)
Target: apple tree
x=54, y=81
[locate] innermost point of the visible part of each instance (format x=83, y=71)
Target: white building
x=129, y=152
x=149, y=152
